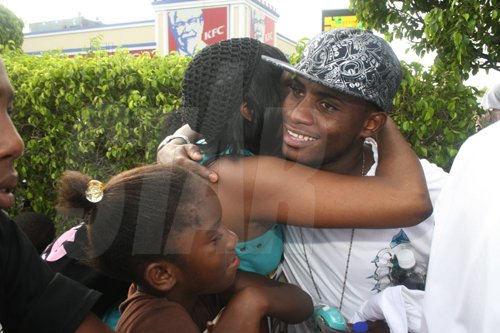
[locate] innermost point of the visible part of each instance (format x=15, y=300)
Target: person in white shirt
x=344, y=73
x=462, y=284
x=491, y=103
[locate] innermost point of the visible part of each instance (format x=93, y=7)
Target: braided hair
x=219, y=79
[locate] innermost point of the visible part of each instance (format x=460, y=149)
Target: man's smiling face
x=320, y=125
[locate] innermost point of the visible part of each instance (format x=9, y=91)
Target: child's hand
x=254, y=297
x=244, y=313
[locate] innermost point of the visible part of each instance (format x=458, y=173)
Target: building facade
x=184, y=26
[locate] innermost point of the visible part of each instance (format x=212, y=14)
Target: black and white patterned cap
x=352, y=61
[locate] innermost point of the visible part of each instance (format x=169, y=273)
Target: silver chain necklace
x=348, y=253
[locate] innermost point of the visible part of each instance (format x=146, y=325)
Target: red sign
x=269, y=35
x=262, y=27
x=194, y=28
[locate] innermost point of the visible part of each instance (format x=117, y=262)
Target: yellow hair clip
x=95, y=191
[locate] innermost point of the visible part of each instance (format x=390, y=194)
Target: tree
x=11, y=28
x=434, y=109
x=465, y=34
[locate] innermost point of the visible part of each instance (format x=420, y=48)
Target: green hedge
x=96, y=113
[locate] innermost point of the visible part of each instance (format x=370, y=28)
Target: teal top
x=263, y=254
x=111, y=317
x=207, y=160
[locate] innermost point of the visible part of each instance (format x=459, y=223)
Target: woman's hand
x=186, y=155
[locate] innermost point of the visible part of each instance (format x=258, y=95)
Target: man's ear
x=161, y=276
x=245, y=111
x=373, y=124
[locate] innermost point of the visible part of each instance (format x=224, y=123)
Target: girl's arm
x=262, y=188
x=92, y=324
x=270, y=189
x=253, y=297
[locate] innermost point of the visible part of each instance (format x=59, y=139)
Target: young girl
x=160, y=227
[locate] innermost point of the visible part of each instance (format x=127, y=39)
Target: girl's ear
x=373, y=124
x=161, y=276
x=245, y=111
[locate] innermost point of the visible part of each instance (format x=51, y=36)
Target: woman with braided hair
x=232, y=99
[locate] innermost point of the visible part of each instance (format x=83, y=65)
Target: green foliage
x=299, y=49
x=434, y=109
x=95, y=113
x=465, y=34
x=11, y=28
x=435, y=112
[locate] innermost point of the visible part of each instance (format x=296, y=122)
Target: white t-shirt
x=327, y=253
x=463, y=289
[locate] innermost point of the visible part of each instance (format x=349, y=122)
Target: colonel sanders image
x=186, y=27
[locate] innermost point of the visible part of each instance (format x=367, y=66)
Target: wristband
x=172, y=137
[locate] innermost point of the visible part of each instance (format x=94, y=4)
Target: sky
x=32, y=11
x=295, y=21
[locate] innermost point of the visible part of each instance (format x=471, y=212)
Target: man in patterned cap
x=339, y=96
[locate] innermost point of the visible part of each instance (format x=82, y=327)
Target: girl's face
x=210, y=261
x=11, y=145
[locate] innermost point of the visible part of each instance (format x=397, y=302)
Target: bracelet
x=172, y=137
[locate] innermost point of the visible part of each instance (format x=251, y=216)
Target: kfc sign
x=193, y=29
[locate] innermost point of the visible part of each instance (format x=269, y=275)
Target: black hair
x=130, y=226
x=38, y=227
x=219, y=81
x=264, y=98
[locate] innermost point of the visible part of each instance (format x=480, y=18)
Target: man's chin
x=300, y=158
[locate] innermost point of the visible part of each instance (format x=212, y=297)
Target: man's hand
x=185, y=155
